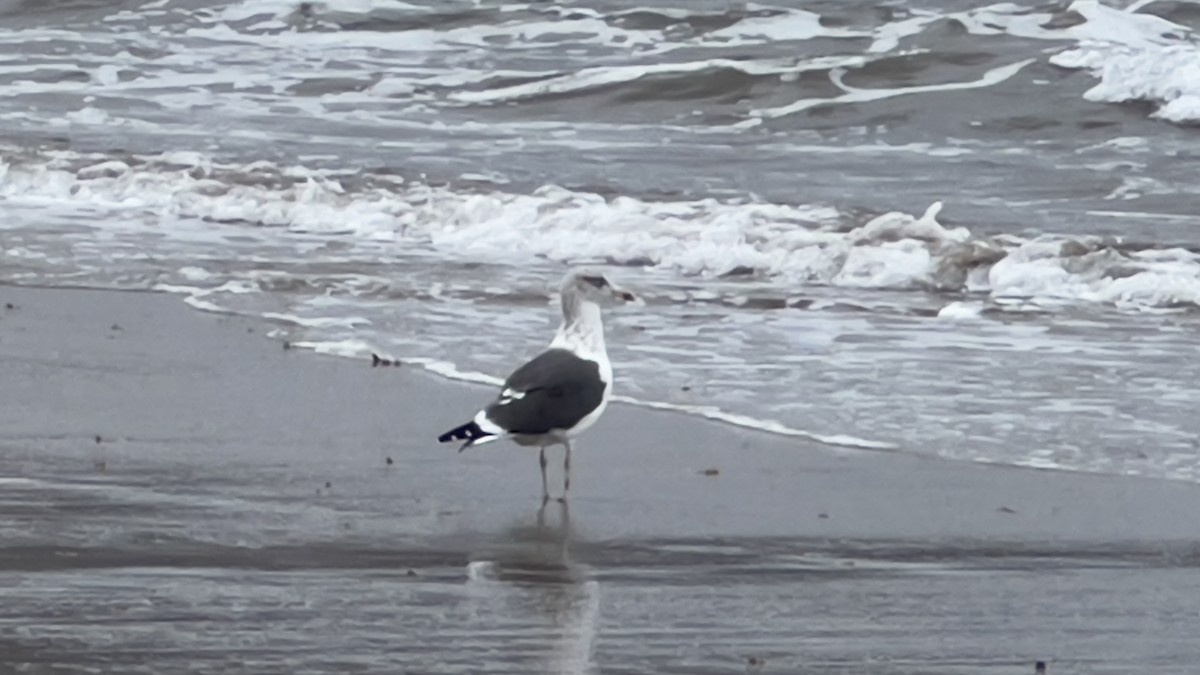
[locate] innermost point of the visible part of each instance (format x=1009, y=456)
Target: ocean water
x=956, y=229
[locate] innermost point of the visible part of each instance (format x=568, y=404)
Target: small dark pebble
x=754, y=661
x=1039, y=668
x=1004, y=509
x=287, y=344
x=250, y=330
x=389, y=461
x=9, y=305
x=328, y=485
x=685, y=388
x=823, y=516
x=711, y=472
x=116, y=326
x=411, y=573
x=98, y=439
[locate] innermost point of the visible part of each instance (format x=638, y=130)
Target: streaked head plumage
x=592, y=284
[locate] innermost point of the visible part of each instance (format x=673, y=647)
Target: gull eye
x=597, y=281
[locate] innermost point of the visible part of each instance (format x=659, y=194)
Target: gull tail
x=470, y=432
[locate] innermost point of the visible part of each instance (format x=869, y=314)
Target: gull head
x=594, y=286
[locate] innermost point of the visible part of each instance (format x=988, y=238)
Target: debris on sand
x=377, y=360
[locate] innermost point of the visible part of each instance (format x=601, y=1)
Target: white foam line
x=348, y=348
x=793, y=24
x=318, y=322
x=449, y=370
x=206, y=306
x=195, y=298
x=873, y=149
x=1143, y=214
x=853, y=95
x=604, y=75
x=452, y=371
x=771, y=426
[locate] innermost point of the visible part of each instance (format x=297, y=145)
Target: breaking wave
x=789, y=245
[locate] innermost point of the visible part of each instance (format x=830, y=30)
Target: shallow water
x=232, y=575
x=410, y=178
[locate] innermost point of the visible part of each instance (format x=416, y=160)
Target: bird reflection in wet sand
x=533, y=582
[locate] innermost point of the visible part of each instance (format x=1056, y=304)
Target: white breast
x=585, y=338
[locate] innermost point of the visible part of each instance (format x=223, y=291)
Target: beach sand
x=180, y=494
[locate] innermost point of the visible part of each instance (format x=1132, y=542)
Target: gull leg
x=545, y=488
x=566, y=471
x=565, y=517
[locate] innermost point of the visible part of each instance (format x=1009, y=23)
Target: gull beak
x=627, y=297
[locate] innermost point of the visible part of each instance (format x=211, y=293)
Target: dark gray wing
x=555, y=390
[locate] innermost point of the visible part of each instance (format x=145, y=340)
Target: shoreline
x=676, y=447
x=169, y=473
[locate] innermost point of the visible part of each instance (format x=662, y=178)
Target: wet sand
x=179, y=494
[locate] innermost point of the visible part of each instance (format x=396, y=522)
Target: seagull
x=560, y=393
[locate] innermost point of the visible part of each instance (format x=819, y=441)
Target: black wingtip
x=469, y=432
x=375, y=360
